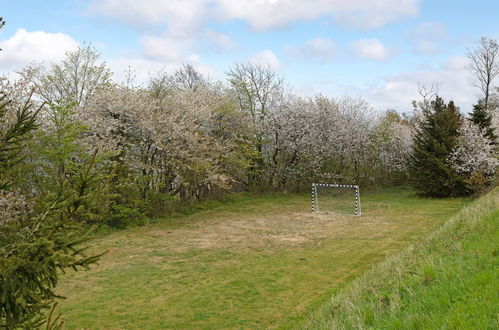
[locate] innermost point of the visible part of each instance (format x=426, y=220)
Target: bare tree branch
x=484, y=65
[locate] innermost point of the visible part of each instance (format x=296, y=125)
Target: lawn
x=255, y=263
x=446, y=281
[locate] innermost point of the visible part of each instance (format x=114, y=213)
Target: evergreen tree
x=436, y=136
x=483, y=118
x=34, y=245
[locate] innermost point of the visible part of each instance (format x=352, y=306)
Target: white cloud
x=456, y=63
x=317, y=48
x=397, y=91
x=163, y=48
x=182, y=17
x=25, y=47
x=427, y=36
x=219, y=41
x=372, y=49
x=426, y=47
x=262, y=15
x=425, y=30
x=266, y=58
x=185, y=24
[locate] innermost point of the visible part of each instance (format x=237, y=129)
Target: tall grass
x=447, y=281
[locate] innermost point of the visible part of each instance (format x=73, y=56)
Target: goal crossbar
x=315, y=197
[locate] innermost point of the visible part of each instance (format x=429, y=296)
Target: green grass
x=447, y=281
x=257, y=262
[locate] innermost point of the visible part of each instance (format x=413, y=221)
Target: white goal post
x=336, y=199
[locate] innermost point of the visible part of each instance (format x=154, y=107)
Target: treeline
x=183, y=138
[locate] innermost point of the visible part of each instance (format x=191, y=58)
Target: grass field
x=256, y=263
x=449, y=280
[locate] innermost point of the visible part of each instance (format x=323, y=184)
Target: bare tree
x=428, y=94
x=484, y=65
x=187, y=78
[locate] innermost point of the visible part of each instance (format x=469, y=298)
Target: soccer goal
x=335, y=199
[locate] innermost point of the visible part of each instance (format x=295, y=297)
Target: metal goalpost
x=357, y=211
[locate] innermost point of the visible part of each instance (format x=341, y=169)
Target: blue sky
x=379, y=50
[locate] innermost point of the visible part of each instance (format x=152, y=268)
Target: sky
x=379, y=50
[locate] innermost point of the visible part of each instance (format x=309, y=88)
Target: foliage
x=333, y=140
x=74, y=79
x=13, y=133
x=34, y=246
x=257, y=90
x=473, y=157
x=435, y=138
x=482, y=116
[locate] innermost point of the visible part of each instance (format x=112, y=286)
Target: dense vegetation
x=78, y=149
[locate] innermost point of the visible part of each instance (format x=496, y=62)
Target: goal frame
x=315, y=196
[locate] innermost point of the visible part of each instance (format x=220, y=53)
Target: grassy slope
x=260, y=262
x=447, y=281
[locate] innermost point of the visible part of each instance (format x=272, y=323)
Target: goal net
x=335, y=198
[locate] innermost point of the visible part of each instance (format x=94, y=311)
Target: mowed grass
x=256, y=263
x=449, y=280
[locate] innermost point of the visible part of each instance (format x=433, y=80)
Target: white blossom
x=473, y=153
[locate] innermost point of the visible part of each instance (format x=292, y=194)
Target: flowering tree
x=333, y=140
x=473, y=157
x=176, y=143
x=390, y=146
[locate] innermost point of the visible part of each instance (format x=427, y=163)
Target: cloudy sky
x=377, y=49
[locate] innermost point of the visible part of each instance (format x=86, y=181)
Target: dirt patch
x=243, y=232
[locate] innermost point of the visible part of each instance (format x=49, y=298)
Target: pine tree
x=436, y=136
x=34, y=246
x=13, y=139
x=483, y=118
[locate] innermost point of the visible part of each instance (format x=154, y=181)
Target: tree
x=483, y=118
x=485, y=66
x=187, y=78
x=75, y=78
x=257, y=91
x=13, y=135
x=436, y=136
x=473, y=157
x=34, y=245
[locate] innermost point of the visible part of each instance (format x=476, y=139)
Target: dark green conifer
x=436, y=136
x=483, y=118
